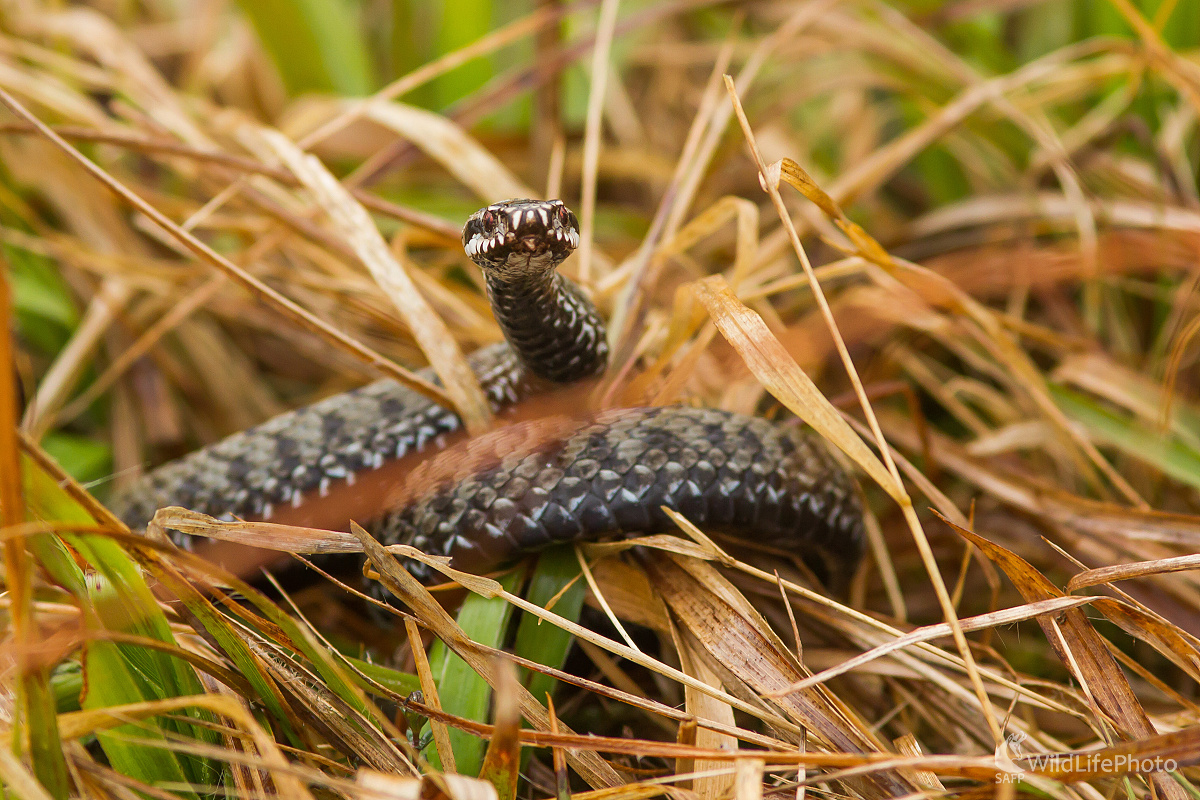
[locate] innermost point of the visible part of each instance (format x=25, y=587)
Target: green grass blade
x=315, y=44
x=334, y=677
x=139, y=751
x=118, y=599
x=1161, y=450
x=86, y=459
x=540, y=641
x=462, y=23
x=400, y=683
x=45, y=746
x=67, y=684
x=463, y=692
x=216, y=625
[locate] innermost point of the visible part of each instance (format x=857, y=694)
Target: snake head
x=517, y=237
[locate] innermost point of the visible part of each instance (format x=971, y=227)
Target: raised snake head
x=512, y=239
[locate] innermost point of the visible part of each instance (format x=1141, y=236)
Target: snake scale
x=768, y=482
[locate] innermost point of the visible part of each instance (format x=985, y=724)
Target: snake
x=615, y=473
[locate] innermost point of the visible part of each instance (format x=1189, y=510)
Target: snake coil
x=766, y=481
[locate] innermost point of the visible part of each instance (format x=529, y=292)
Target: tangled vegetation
x=960, y=240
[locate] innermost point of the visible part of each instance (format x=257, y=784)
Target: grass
x=959, y=240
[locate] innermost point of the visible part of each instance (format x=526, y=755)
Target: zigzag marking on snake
x=766, y=481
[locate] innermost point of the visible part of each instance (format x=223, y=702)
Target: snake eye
x=488, y=219
x=564, y=216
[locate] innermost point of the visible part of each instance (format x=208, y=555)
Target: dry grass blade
x=440, y=735
x=344, y=726
x=745, y=216
x=267, y=535
x=931, y=632
x=674, y=204
x=1178, y=645
x=433, y=616
x=12, y=503
x=82, y=723
x=919, y=537
x=703, y=706
x=29, y=695
x=592, y=144
x=19, y=780
x=782, y=376
x=748, y=779
x=738, y=641
x=372, y=785
x=502, y=763
x=102, y=310
x=766, y=175
x=1095, y=518
x=936, y=290
x=205, y=252
x=354, y=224
x=788, y=170
x=401, y=86
x=990, y=271
x=446, y=143
x=1082, y=651
x=1124, y=572
x=165, y=147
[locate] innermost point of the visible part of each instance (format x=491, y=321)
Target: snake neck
x=556, y=332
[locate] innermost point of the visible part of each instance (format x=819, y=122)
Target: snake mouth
x=519, y=235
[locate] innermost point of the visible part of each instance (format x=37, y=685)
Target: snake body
x=727, y=472
x=769, y=482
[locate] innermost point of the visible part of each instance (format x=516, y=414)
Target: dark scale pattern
x=725, y=472
x=553, y=328
x=250, y=473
